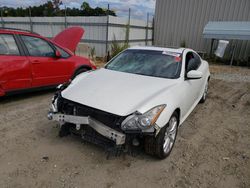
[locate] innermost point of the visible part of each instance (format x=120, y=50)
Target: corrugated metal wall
x=183, y=20
x=95, y=29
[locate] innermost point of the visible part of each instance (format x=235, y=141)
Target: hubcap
x=170, y=135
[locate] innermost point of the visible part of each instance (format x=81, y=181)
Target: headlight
x=142, y=121
x=54, y=102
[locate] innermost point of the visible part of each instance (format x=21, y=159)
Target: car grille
x=72, y=108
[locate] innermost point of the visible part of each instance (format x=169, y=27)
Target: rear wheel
x=162, y=145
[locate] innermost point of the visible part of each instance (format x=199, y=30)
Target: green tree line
x=51, y=8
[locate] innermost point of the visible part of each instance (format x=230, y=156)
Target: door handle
x=36, y=62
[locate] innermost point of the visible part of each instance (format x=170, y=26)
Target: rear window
x=8, y=45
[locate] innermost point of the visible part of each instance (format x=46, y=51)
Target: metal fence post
x=153, y=31
x=31, y=24
x=128, y=27
x=2, y=17
x=147, y=29
x=107, y=31
x=65, y=18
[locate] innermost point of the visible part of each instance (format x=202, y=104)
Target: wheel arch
x=178, y=111
x=79, y=68
x=82, y=67
x=166, y=115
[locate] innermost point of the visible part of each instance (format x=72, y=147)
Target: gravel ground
x=231, y=77
x=212, y=147
x=231, y=74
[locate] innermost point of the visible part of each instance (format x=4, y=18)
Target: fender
x=82, y=67
x=2, y=93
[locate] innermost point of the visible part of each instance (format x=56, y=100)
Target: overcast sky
x=139, y=8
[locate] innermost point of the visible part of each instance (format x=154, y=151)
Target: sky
x=139, y=8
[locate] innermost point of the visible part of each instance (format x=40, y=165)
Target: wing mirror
x=57, y=54
x=194, y=74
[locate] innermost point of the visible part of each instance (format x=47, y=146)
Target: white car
x=140, y=97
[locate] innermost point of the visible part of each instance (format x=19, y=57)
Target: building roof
x=227, y=30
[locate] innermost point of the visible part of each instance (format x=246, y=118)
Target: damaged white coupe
x=139, y=98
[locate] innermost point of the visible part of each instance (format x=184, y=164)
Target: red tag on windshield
x=177, y=59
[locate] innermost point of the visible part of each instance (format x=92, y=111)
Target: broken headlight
x=142, y=121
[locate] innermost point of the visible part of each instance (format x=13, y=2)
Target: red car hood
x=69, y=38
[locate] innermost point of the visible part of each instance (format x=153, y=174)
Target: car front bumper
x=116, y=136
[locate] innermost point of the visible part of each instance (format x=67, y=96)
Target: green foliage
x=56, y=4
x=52, y=8
x=116, y=47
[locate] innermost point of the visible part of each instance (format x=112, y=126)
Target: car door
x=15, y=70
x=47, y=69
x=191, y=87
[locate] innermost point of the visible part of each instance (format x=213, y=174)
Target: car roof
x=155, y=48
x=17, y=31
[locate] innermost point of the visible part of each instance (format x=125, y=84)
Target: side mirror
x=57, y=54
x=194, y=74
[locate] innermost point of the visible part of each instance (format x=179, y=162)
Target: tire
x=166, y=137
x=204, y=96
x=79, y=71
x=64, y=130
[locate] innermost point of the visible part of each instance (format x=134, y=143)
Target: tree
x=56, y=4
x=52, y=8
x=85, y=6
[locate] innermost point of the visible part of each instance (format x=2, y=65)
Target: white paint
x=124, y=93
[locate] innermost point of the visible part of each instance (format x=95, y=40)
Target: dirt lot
x=212, y=148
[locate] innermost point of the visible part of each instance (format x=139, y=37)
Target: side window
x=193, y=61
x=8, y=45
x=198, y=60
x=38, y=47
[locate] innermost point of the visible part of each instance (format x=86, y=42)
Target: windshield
x=148, y=62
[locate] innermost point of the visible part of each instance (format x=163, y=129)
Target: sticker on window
x=177, y=59
x=171, y=53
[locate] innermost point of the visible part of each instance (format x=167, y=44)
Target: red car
x=29, y=61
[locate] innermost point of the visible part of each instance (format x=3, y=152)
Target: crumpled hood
x=115, y=92
x=69, y=38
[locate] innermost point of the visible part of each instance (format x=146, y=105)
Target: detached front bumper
x=118, y=137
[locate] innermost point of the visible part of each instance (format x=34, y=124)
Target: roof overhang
x=227, y=30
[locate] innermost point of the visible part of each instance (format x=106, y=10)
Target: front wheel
x=162, y=145
x=64, y=130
